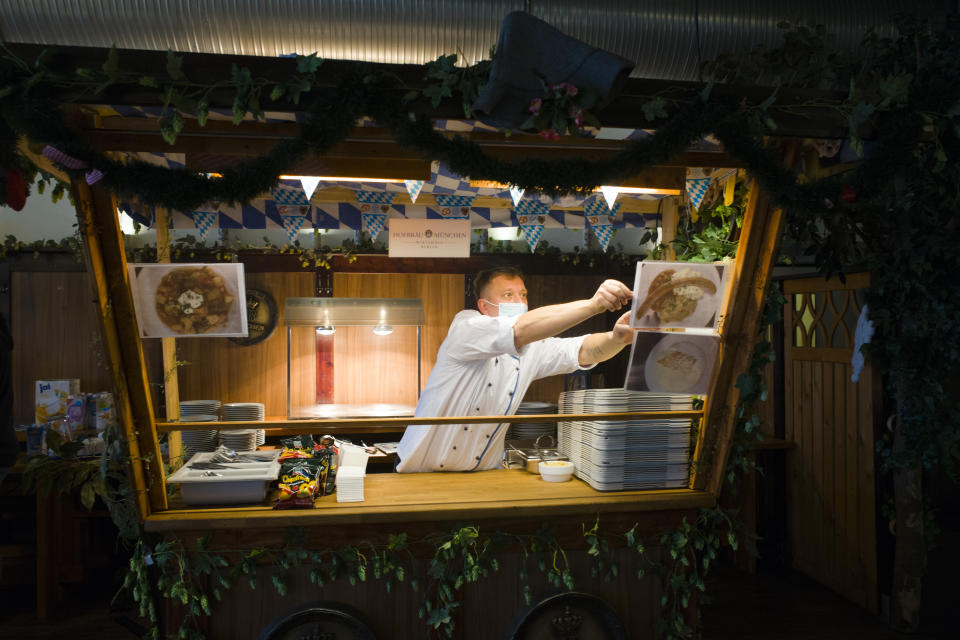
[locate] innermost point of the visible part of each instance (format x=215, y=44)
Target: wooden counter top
x=417, y=497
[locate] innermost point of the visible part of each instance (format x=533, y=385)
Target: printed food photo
x=677, y=295
x=189, y=300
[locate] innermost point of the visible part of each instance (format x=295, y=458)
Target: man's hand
x=598, y=347
x=622, y=330
x=611, y=296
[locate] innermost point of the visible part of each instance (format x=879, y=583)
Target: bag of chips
x=329, y=454
x=297, y=447
x=299, y=484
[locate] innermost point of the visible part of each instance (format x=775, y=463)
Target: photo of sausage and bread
x=677, y=295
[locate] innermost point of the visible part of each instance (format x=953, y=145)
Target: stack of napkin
x=350, y=473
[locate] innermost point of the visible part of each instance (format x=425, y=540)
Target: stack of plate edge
x=533, y=430
x=626, y=454
x=241, y=412
x=203, y=440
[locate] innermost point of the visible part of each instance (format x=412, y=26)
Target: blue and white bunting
x=532, y=233
x=204, y=221
x=373, y=223
x=516, y=194
x=292, y=225
x=697, y=184
x=375, y=197
x=413, y=189
x=289, y=193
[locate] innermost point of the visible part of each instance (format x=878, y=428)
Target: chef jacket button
x=488, y=435
x=441, y=466
x=510, y=393
x=478, y=408
x=489, y=384
x=478, y=458
x=466, y=428
x=454, y=446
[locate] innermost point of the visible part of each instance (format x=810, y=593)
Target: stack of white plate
x=192, y=408
x=243, y=439
x=626, y=454
x=202, y=440
x=533, y=430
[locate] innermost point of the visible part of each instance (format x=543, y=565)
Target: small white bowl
x=556, y=470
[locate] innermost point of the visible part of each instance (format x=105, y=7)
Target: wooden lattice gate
x=831, y=493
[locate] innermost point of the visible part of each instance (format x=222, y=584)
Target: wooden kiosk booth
x=482, y=601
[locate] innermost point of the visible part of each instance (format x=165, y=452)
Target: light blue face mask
x=509, y=309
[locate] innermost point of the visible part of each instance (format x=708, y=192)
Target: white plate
x=660, y=378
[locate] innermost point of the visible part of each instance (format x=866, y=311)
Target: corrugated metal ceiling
x=667, y=38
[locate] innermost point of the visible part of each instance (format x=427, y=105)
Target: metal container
x=529, y=459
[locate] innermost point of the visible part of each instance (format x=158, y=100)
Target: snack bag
x=299, y=483
x=297, y=447
x=76, y=408
x=329, y=455
x=36, y=440
x=106, y=413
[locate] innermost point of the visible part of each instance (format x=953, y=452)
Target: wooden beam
x=756, y=256
x=107, y=263
x=168, y=346
x=219, y=145
x=42, y=162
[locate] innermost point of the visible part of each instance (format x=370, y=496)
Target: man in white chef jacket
x=489, y=358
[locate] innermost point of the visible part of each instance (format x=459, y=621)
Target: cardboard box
x=51, y=398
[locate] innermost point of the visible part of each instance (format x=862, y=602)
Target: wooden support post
x=107, y=264
x=756, y=256
x=668, y=226
x=171, y=379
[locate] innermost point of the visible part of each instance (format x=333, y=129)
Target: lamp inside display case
x=352, y=357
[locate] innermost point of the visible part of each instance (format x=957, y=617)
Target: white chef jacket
x=479, y=372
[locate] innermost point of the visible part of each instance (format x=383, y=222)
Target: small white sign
x=423, y=238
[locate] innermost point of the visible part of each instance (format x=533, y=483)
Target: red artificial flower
x=847, y=194
x=16, y=189
x=535, y=105
x=549, y=134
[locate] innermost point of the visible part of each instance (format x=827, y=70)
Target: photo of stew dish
x=678, y=296
x=193, y=300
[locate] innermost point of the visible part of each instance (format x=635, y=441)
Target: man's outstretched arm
x=548, y=321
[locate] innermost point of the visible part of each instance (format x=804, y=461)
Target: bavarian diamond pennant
x=697, y=185
x=373, y=223
x=413, y=189
x=603, y=233
x=204, y=221
x=532, y=233
x=292, y=225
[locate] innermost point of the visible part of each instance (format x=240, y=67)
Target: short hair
x=483, y=278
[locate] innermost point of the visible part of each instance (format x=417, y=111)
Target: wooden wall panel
x=830, y=480
x=370, y=368
x=56, y=335
x=218, y=369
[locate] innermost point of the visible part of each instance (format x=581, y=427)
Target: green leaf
x=111, y=68
x=277, y=91
x=706, y=91
x=308, y=64
x=653, y=109
x=174, y=66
